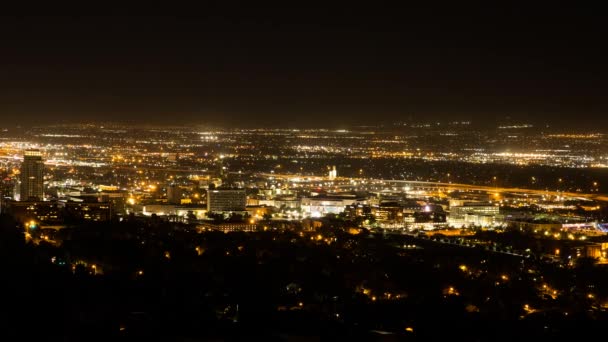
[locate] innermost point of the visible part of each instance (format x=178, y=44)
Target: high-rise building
x=32, y=171
x=174, y=194
x=226, y=200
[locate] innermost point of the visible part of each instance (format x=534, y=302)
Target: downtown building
x=32, y=176
x=465, y=214
x=226, y=200
x=321, y=205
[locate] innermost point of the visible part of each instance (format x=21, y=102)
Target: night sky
x=305, y=66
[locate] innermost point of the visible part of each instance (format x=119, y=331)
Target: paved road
x=444, y=186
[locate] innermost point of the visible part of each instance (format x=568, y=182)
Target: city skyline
x=422, y=230
x=292, y=172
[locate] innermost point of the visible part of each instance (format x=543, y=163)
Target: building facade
x=32, y=173
x=222, y=200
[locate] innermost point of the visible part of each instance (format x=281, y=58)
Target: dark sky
x=288, y=66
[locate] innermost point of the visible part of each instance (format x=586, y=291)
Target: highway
x=439, y=186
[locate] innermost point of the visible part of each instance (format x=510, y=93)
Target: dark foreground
x=156, y=281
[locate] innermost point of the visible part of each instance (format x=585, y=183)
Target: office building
x=174, y=194
x=89, y=211
x=32, y=172
x=228, y=227
x=319, y=206
x=464, y=214
x=479, y=208
x=223, y=200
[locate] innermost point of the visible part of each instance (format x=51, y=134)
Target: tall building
x=226, y=200
x=32, y=170
x=333, y=173
x=174, y=194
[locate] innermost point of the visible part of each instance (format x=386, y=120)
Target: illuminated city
x=325, y=187
x=374, y=217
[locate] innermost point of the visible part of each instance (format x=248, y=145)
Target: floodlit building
x=333, y=173
x=172, y=210
x=389, y=214
x=473, y=213
x=321, y=205
x=480, y=208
